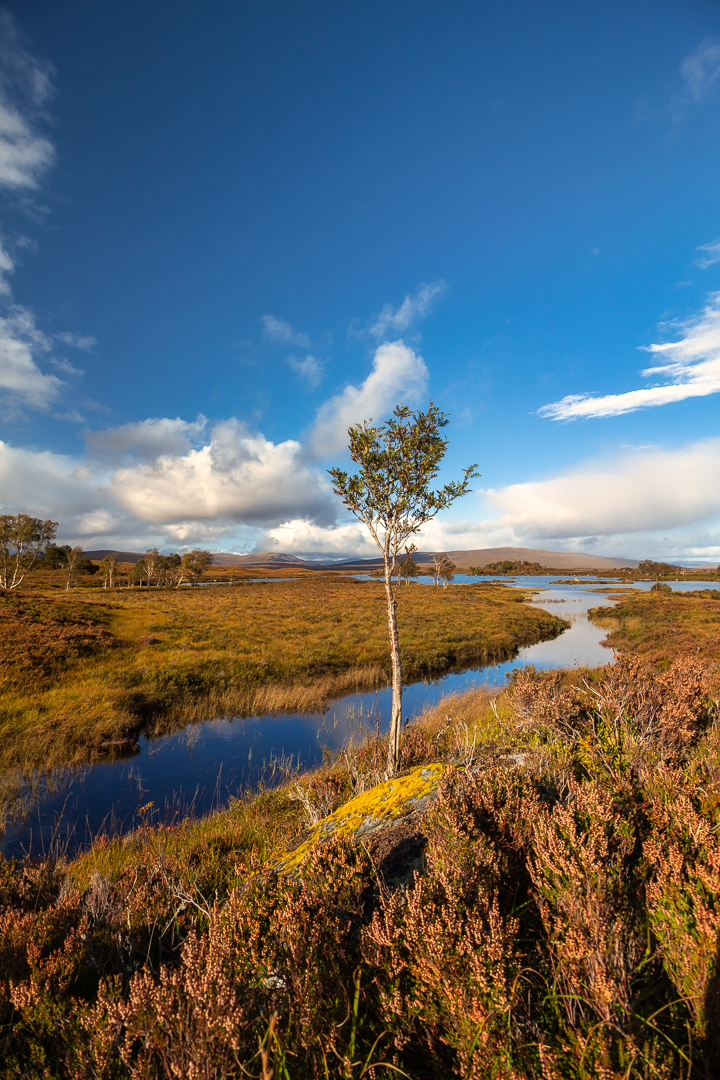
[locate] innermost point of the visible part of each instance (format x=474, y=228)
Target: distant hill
x=122, y=556
x=554, y=560
x=272, y=560
x=266, y=560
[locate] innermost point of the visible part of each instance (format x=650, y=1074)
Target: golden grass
x=660, y=627
x=157, y=659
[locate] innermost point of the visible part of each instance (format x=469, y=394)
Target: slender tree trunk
x=393, y=758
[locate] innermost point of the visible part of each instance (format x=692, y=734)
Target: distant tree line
x=27, y=543
x=507, y=566
x=657, y=569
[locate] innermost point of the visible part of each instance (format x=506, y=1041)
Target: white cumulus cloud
x=306, y=539
x=238, y=476
x=398, y=375
x=641, y=491
x=692, y=370
x=144, y=440
x=396, y=320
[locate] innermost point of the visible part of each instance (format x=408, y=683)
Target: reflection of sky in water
x=204, y=765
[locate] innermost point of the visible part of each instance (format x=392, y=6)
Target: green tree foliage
x=138, y=574
x=507, y=566
x=443, y=569
x=109, y=569
x=196, y=562
x=23, y=540
x=170, y=569
x=657, y=569
x=408, y=569
x=55, y=557
x=391, y=495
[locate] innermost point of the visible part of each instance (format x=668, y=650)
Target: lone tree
x=23, y=540
x=391, y=495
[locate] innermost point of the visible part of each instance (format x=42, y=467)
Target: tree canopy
x=23, y=540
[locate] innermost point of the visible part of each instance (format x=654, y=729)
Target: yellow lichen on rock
x=370, y=811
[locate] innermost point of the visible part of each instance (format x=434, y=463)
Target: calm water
x=203, y=766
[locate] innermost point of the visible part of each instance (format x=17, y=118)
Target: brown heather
x=554, y=914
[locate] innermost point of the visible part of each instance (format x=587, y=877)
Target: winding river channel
x=200, y=768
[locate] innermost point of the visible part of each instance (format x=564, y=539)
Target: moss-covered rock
x=381, y=807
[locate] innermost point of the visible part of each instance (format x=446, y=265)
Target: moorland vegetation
x=554, y=913
x=83, y=673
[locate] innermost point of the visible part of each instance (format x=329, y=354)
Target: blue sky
x=230, y=230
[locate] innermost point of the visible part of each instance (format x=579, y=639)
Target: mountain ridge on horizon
x=463, y=559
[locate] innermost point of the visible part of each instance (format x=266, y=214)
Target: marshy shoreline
x=84, y=676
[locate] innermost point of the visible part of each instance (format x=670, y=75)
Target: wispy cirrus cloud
x=275, y=329
x=26, y=86
x=711, y=256
x=397, y=320
x=22, y=382
x=86, y=342
x=692, y=369
x=7, y=265
x=310, y=369
x=701, y=69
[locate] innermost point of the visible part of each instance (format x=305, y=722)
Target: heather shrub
x=45, y=962
x=584, y=879
x=276, y=946
x=683, y=904
x=445, y=955
x=563, y=922
x=627, y=722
